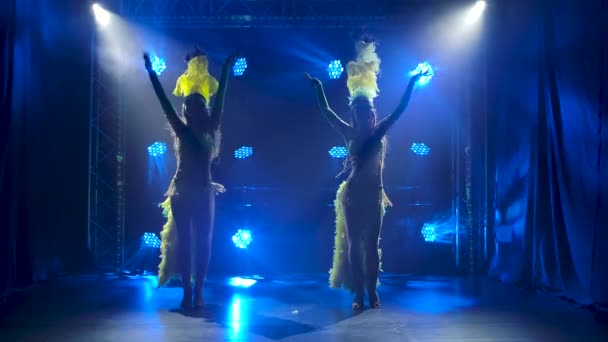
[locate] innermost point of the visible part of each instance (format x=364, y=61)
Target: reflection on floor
x=296, y=308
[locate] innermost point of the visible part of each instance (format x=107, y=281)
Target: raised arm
x=329, y=114
x=218, y=105
x=176, y=123
x=385, y=124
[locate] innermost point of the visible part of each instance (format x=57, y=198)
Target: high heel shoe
x=374, y=301
x=358, y=302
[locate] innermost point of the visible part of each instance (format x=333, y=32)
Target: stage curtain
x=550, y=98
x=15, y=271
x=43, y=140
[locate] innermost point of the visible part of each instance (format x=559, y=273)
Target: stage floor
x=296, y=308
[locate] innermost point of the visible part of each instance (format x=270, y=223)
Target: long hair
x=211, y=138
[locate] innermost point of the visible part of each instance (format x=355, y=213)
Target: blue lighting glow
x=158, y=65
x=242, y=238
x=157, y=149
x=439, y=231
x=424, y=68
x=239, y=66
x=237, y=318
x=428, y=232
x=335, y=69
x=420, y=149
x=243, y=152
x=338, y=152
x=242, y=282
x=151, y=240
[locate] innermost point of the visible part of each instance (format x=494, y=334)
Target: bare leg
x=373, y=258
x=353, y=232
x=182, y=213
x=356, y=263
x=203, y=227
x=373, y=269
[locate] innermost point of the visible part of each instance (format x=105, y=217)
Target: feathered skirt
x=340, y=273
x=169, y=267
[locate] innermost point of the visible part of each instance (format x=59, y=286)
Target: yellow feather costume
x=362, y=81
x=196, y=79
x=169, y=248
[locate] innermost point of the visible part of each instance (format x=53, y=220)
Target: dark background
x=546, y=94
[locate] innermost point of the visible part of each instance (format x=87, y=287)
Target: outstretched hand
x=147, y=61
x=422, y=73
x=315, y=81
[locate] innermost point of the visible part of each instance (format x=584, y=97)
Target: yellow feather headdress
x=196, y=79
x=363, y=72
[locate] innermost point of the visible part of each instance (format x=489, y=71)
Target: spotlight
x=420, y=149
x=243, y=152
x=242, y=282
x=101, y=15
x=239, y=66
x=424, y=68
x=151, y=240
x=242, y=238
x=439, y=231
x=428, y=232
x=335, y=69
x=476, y=12
x=157, y=149
x=158, y=65
x=338, y=152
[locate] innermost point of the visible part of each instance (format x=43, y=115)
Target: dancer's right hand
x=315, y=81
x=147, y=61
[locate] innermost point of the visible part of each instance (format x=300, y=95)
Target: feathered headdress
x=363, y=72
x=196, y=78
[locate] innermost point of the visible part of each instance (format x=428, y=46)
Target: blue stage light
x=335, y=69
x=423, y=67
x=242, y=238
x=157, y=149
x=151, y=240
x=420, y=149
x=241, y=282
x=428, y=232
x=338, y=152
x=243, y=152
x=239, y=66
x=440, y=230
x=158, y=64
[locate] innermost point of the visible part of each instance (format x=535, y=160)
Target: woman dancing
x=190, y=204
x=361, y=202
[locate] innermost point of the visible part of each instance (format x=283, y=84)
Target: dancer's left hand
x=422, y=73
x=147, y=61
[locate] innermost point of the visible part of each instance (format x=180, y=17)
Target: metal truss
x=321, y=13
x=106, y=170
x=473, y=229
